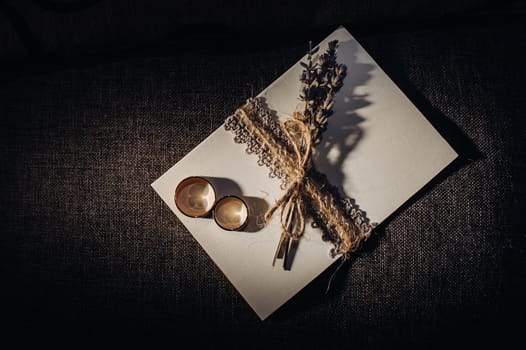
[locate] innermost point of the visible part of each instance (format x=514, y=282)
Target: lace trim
x=348, y=206
x=268, y=122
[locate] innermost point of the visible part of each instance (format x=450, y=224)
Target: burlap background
x=96, y=255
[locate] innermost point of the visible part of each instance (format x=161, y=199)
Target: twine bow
x=342, y=222
x=292, y=218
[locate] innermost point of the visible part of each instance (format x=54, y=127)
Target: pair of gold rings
x=195, y=197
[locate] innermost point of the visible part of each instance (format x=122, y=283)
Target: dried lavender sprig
x=320, y=80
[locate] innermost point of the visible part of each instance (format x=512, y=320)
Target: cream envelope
x=378, y=148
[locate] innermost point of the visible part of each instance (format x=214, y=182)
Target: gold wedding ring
x=231, y=213
x=195, y=197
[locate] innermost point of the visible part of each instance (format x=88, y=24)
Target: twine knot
x=291, y=202
x=342, y=222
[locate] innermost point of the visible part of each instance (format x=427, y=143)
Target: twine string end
x=343, y=260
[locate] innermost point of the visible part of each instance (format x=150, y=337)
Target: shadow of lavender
x=344, y=132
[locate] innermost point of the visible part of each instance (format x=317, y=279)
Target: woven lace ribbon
x=340, y=220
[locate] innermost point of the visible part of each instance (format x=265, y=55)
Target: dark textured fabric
x=99, y=259
x=67, y=27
